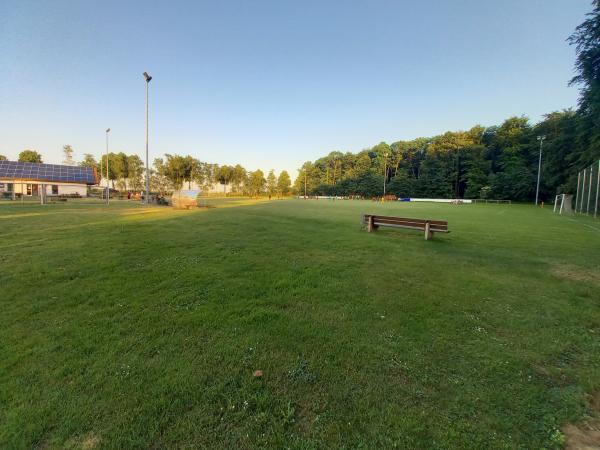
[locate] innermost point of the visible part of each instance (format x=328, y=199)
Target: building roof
x=51, y=173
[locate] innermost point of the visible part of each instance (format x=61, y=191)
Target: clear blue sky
x=271, y=84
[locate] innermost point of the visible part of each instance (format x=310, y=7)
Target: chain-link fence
x=588, y=190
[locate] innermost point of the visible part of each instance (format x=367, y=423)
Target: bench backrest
x=434, y=225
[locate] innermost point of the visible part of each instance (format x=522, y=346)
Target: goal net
x=588, y=190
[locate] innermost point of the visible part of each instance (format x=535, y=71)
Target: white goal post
x=563, y=204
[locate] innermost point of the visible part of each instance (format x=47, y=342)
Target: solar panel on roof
x=47, y=172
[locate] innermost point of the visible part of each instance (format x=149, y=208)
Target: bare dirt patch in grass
x=575, y=273
x=585, y=435
x=582, y=437
x=86, y=442
x=90, y=441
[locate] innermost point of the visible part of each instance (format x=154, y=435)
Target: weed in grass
x=301, y=372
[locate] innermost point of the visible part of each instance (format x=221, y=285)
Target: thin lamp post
x=537, y=189
x=590, y=189
x=107, y=182
x=457, y=171
x=148, y=78
x=101, y=173
x=597, y=189
x=582, y=192
x=384, y=173
x=577, y=195
x=304, y=183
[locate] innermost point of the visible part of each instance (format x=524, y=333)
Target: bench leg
x=370, y=225
x=428, y=232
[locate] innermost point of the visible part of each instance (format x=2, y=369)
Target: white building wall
x=69, y=189
x=63, y=189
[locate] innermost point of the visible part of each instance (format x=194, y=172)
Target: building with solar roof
x=35, y=179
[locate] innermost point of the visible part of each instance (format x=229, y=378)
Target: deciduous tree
x=284, y=183
x=68, y=155
x=224, y=176
x=271, y=183
x=30, y=156
x=256, y=182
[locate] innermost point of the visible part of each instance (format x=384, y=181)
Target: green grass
x=132, y=328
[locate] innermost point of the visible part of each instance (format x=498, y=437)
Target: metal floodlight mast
x=537, y=189
x=577, y=195
x=107, y=182
x=582, y=192
x=148, y=78
x=590, y=189
x=597, y=190
x=384, y=173
x=305, y=183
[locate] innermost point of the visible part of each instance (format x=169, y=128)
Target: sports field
x=134, y=327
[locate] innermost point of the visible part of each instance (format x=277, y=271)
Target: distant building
x=34, y=179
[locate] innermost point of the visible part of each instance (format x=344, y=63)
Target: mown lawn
x=133, y=328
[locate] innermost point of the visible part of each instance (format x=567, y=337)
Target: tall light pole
x=147, y=78
x=385, y=155
x=107, y=186
x=305, y=183
x=457, y=172
x=537, y=189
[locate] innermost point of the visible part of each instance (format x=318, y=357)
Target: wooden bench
x=428, y=226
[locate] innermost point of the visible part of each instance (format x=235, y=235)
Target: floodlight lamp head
x=147, y=77
x=541, y=138
x=107, y=130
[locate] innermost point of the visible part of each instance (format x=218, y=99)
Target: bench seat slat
x=409, y=222
x=408, y=227
x=431, y=222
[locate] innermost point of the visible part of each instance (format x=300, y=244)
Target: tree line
x=497, y=162
x=174, y=172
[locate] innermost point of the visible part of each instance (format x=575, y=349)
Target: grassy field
x=134, y=327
